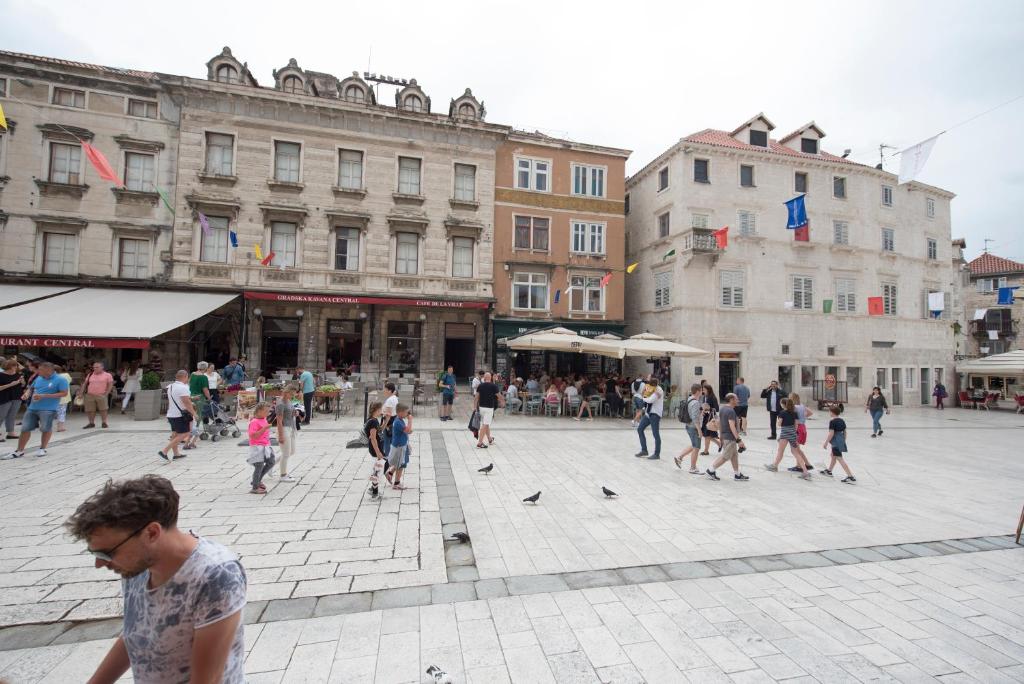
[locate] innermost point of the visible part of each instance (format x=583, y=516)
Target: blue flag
x=796, y=213
x=234, y=238
x=558, y=295
x=1006, y=296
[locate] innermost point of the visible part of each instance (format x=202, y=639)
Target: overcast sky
x=632, y=74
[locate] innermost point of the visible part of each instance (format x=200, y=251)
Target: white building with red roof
x=768, y=306
x=993, y=328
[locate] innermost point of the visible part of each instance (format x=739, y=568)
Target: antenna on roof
x=987, y=240
x=846, y=152
x=881, y=153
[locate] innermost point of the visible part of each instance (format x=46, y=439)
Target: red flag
x=875, y=306
x=267, y=259
x=100, y=163
x=607, y=279
x=803, y=233
x=721, y=237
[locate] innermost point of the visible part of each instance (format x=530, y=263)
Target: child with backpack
x=261, y=456
x=836, y=439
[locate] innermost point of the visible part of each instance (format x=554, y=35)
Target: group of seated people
x=575, y=391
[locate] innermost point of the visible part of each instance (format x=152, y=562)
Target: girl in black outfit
x=375, y=435
x=709, y=410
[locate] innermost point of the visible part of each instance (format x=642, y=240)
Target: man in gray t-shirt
x=729, y=431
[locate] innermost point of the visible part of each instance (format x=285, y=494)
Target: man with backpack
x=689, y=415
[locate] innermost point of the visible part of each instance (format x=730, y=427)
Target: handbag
x=474, y=423
x=79, y=400
x=713, y=424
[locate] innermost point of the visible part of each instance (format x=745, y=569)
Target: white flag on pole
x=913, y=159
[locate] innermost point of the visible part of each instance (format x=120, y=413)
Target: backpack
x=684, y=411
x=637, y=384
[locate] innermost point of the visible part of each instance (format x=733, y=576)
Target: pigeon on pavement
x=608, y=493
x=532, y=499
x=460, y=537
x=486, y=469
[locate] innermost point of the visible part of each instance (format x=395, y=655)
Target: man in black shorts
x=488, y=398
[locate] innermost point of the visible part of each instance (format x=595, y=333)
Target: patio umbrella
x=565, y=340
x=649, y=344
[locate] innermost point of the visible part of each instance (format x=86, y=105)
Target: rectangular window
x=462, y=257
x=809, y=145
x=731, y=283
x=465, y=182
x=803, y=293
x=662, y=179
x=65, y=163
x=933, y=249
x=409, y=175
x=840, y=232
x=587, y=295
x=59, y=253
x=143, y=108
x=286, y=161
x=889, y=299
x=839, y=187
x=350, y=169
x=664, y=224
x=346, y=249
x=700, y=221
x=67, y=97
x=531, y=233
x=133, y=259
x=846, y=295
x=3, y=87
x=759, y=138
x=140, y=172
x=407, y=253
x=700, y=171
x=807, y=374
x=852, y=377
x=929, y=204
x=533, y=174
x=888, y=240
x=283, y=242
x=746, y=176
x=747, y=221
x=785, y=376
x=530, y=291
x=588, y=180
x=989, y=285
x=214, y=247
x=220, y=154
x=404, y=347
x=886, y=195
x=662, y=289
x=800, y=182
x=587, y=238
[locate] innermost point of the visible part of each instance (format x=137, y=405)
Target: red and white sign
x=349, y=299
x=73, y=342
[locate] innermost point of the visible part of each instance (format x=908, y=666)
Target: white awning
x=16, y=294
x=109, y=313
x=1010, y=363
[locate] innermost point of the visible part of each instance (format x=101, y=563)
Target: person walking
x=729, y=430
x=773, y=395
x=836, y=439
x=788, y=437
x=94, y=392
x=447, y=385
x=690, y=413
x=654, y=402
x=375, y=443
x=261, y=455
x=12, y=384
x=183, y=595
x=488, y=398
x=876, y=405
x=46, y=390
x=939, y=392
x=305, y=377
x=398, y=452
x=285, y=423
x=199, y=386
x=65, y=401
x=709, y=409
x=180, y=414
x=742, y=393
x=234, y=373
x=132, y=379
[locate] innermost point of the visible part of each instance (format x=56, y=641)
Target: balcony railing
x=1005, y=328
x=700, y=241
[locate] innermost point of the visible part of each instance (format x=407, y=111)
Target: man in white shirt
x=477, y=380
x=180, y=414
x=654, y=399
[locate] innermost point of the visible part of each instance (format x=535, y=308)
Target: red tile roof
x=990, y=263
x=78, y=65
x=710, y=136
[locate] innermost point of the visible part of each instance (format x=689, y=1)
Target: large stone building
x=758, y=306
x=992, y=327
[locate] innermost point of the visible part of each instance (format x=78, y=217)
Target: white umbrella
x=649, y=344
x=565, y=340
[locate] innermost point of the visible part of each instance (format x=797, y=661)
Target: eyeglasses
x=108, y=556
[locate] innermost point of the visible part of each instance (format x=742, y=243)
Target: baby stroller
x=217, y=422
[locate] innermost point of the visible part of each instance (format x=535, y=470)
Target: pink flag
x=204, y=223
x=607, y=279
x=100, y=163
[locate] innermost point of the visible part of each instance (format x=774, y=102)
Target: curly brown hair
x=128, y=504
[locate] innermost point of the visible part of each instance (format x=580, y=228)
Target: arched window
x=292, y=84
x=467, y=110
x=413, y=103
x=354, y=93
x=227, y=74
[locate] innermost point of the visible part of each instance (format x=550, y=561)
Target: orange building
x=559, y=247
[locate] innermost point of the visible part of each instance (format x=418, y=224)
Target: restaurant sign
x=73, y=342
x=349, y=299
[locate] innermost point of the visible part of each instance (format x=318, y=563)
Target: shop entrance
x=460, y=348
x=728, y=372
x=280, y=344
x=344, y=345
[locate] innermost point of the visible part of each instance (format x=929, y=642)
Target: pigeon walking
x=486, y=469
x=532, y=499
x=608, y=493
x=460, y=537
x=439, y=675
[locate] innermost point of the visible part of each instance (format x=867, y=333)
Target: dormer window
x=227, y=74
x=412, y=103
x=467, y=110
x=354, y=93
x=809, y=145
x=759, y=138
x=292, y=84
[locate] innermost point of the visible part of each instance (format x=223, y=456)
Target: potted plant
x=148, y=399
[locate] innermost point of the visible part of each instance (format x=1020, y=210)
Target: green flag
x=671, y=252
x=826, y=305
x=167, y=202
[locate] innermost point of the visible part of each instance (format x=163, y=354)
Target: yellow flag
x=259, y=252
x=3, y=119
x=632, y=267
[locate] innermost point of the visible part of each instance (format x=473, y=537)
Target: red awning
x=350, y=299
x=73, y=342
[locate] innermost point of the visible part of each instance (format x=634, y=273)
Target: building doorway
x=896, y=397
x=926, y=390
x=728, y=372
x=344, y=345
x=460, y=348
x=280, y=345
